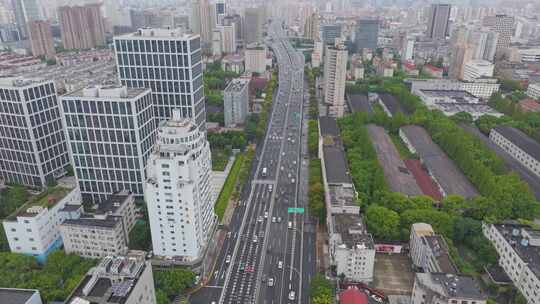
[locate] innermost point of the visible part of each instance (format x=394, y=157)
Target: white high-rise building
x=228, y=38
x=167, y=61
x=335, y=70
x=476, y=69
x=111, y=131
x=177, y=193
x=407, y=49
x=201, y=21
x=255, y=58
x=484, y=44
x=235, y=100
x=217, y=37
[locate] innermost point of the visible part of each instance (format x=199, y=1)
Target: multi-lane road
x=269, y=253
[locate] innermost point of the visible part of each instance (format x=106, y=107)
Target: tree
x=442, y=223
x=463, y=117
x=321, y=288
x=173, y=281
x=382, y=222
x=161, y=297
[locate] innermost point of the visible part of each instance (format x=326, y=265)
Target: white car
x=271, y=282
x=292, y=295
x=266, y=214
x=280, y=265
x=259, y=219
x=274, y=219
x=228, y=259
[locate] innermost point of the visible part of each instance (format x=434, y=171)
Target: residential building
x=255, y=58
x=429, y=251
x=167, y=61
x=439, y=288
x=533, y=90
x=504, y=26
x=117, y=279
x=41, y=40
x=178, y=194
x=335, y=71
x=520, y=146
x=253, y=24
x=235, y=102
x=329, y=33
x=484, y=43
x=104, y=232
x=352, y=250
x=111, y=131
x=217, y=43
x=228, y=39
x=20, y=296
x=34, y=229
x=460, y=54
x=438, y=21
x=529, y=55
x=201, y=21
x=317, y=55
x=312, y=27
x=366, y=34
x=33, y=149
x=26, y=11
x=476, y=69
x=82, y=27
x=407, y=50
x=517, y=246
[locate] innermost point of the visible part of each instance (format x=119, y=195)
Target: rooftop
x=16, y=296
x=522, y=244
x=359, y=103
x=353, y=295
x=112, y=280
x=19, y=82
x=47, y=199
x=328, y=126
x=520, y=139
x=439, y=248
x=165, y=33
x=449, y=285
x=353, y=231
x=108, y=222
x=342, y=196
x=237, y=85
x=392, y=104
x=529, y=105
x=115, y=201
x=459, y=96
x=335, y=166
x=108, y=92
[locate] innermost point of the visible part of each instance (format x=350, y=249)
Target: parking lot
x=393, y=274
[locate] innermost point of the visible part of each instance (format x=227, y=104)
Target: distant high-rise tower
x=82, y=27
x=235, y=102
x=504, y=26
x=253, y=24
x=111, y=132
x=168, y=61
x=311, y=28
x=438, y=22
x=33, y=149
x=335, y=69
x=366, y=34
x=228, y=38
x=26, y=11
x=201, y=20
x=330, y=32
x=178, y=190
x=41, y=40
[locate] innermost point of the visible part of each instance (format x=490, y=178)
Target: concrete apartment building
x=504, y=26
x=82, y=27
x=41, y=40
x=104, y=232
x=517, y=246
x=335, y=72
x=253, y=24
x=533, y=90
x=167, y=61
x=33, y=148
x=178, y=193
x=482, y=88
x=476, y=69
x=312, y=27
x=366, y=34
x=111, y=131
x=441, y=288
x=20, y=296
x=235, y=102
x=255, y=58
x=228, y=38
x=126, y=279
x=520, y=146
x=34, y=229
x=429, y=251
x=352, y=249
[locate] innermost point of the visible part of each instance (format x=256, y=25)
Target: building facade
x=124, y=279
x=35, y=228
x=335, y=70
x=20, y=296
x=366, y=34
x=438, y=21
x=476, y=69
x=255, y=58
x=330, y=32
x=429, y=251
x=504, y=27
x=82, y=27
x=311, y=27
x=33, y=148
x=228, y=38
x=533, y=90
x=520, y=146
x=111, y=131
x=26, y=11
x=178, y=194
x=253, y=24
x=235, y=102
x=41, y=40
x=167, y=61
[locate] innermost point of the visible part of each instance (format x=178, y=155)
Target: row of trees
x=317, y=206
x=321, y=290
x=229, y=139
x=171, y=282
x=267, y=105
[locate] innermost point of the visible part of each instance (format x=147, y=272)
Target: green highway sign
x=295, y=210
